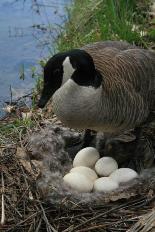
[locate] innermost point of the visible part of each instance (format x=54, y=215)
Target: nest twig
x=145, y=223
x=26, y=211
x=23, y=208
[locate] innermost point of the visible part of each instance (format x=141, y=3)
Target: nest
x=35, y=198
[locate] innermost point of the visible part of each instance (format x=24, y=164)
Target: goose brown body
x=124, y=63
x=125, y=97
x=128, y=82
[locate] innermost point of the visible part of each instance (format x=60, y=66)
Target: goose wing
x=136, y=66
x=125, y=64
x=128, y=80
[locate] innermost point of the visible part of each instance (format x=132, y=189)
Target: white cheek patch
x=68, y=70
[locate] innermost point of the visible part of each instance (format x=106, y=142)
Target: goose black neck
x=93, y=79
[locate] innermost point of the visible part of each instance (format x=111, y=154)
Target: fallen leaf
x=21, y=154
x=37, y=167
x=8, y=108
x=26, y=164
x=23, y=158
x=26, y=115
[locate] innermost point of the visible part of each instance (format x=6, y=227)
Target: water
x=22, y=45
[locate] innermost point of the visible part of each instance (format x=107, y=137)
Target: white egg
x=105, y=184
x=78, y=182
x=86, y=157
x=123, y=175
x=88, y=172
x=105, y=166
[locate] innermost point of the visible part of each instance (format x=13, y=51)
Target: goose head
x=76, y=64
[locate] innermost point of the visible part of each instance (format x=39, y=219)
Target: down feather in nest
x=51, y=145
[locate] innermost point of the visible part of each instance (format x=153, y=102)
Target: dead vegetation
x=25, y=208
x=22, y=205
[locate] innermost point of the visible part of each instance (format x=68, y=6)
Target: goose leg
x=88, y=138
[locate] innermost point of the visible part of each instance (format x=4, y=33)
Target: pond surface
x=22, y=43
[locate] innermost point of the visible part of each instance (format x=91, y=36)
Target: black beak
x=42, y=102
x=48, y=91
x=45, y=96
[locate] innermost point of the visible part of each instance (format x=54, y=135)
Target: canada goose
x=106, y=86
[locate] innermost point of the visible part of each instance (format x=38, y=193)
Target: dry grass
x=21, y=204
x=25, y=210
